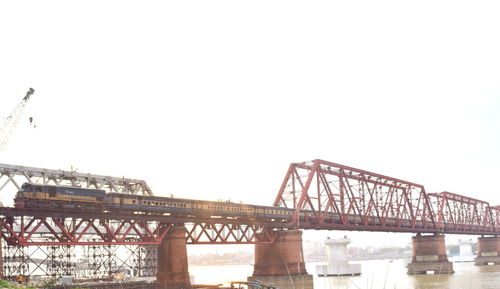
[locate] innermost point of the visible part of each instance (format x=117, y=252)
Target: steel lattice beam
x=337, y=194
x=31, y=228
x=331, y=196
x=217, y=233
x=17, y=175
x=456, y=212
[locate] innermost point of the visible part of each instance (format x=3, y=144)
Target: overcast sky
x=214, y=99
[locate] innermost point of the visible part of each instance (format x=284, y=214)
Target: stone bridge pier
x=488, y=251
x=282, y=262
x=173, y=272
x=429, y=255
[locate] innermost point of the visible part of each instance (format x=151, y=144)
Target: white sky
x=213, y=99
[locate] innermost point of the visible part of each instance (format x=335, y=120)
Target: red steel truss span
x=326, y=195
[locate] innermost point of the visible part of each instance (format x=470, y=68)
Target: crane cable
x=10, y=122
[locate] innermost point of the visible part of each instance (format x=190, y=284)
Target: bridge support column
x=488, y=251
x=429, y=255
x=338, y=263
x=466, y=254
x=172, y=261
x=282, y=262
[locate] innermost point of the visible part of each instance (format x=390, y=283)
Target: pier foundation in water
x=338, y=263
x=282, y=262
x=488, y=251
x=429, y=256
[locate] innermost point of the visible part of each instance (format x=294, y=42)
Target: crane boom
x=10, y=122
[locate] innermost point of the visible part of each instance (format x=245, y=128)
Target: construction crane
x=9, y=123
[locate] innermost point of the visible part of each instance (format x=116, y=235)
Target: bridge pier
x=172, y=261
x=429, y=254
x=466, y=254
x=338, y=263
x=488, y=251
x=282, y=262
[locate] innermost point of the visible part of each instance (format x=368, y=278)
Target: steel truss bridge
x=323, y=196
x=338, y=197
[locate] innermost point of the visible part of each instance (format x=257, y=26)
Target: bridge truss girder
x=457, y=212
x=329, y=196
x=17, y=175
x=31, y=228
x=339, y=194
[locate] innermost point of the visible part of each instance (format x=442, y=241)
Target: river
x=379, y=274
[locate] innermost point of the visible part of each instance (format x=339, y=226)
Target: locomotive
x=50, y=196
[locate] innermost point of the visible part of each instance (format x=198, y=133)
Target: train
x=39, y=196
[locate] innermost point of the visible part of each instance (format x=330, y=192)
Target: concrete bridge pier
x=172, y=269
x=282, y=262
x=466, y=254
x=429, y=255
x=488, y=251
x=338, y=262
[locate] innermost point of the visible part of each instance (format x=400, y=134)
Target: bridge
x=320, y=195
x=345, y=198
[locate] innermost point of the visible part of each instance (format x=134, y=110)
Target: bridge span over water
x=319, y=195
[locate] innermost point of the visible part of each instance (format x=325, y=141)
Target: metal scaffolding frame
x=94, y=262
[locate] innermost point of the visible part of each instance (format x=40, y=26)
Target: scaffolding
x=93, y=262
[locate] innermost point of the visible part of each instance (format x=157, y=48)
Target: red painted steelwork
x=460, y=213
x=36, y=230
x=331, y=196
x=325, y=193
x=207, y=233
x=495, y=216
x=26, y=230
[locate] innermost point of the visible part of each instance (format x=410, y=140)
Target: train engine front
x=59, y=197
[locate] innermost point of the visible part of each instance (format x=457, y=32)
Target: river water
x=381, y=274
